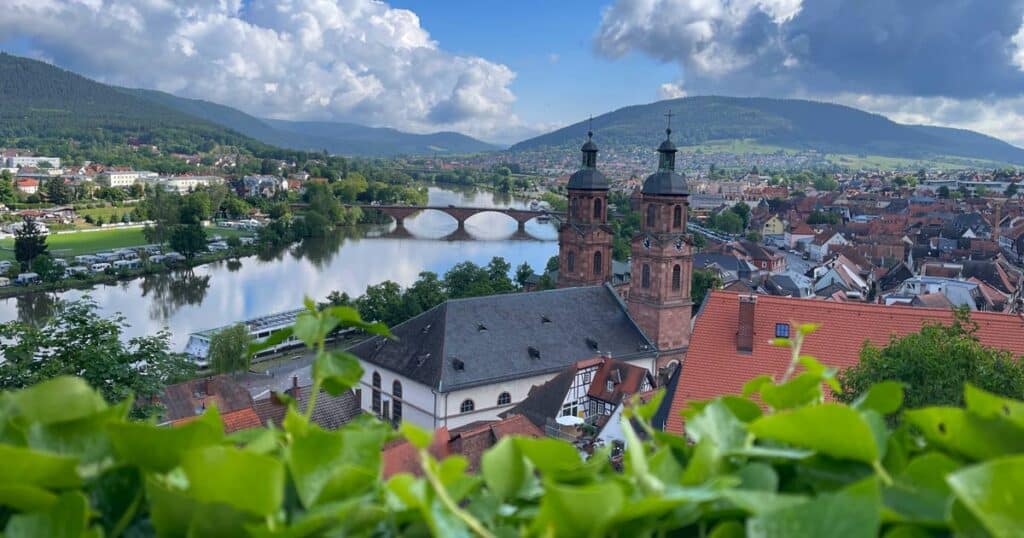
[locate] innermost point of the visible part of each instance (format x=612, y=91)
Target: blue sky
x=503, y=71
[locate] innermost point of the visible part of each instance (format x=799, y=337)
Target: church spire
x=589, y=148
x=667, y=150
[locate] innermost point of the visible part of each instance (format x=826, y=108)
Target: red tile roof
x=713, y=367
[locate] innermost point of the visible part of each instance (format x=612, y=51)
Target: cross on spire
x=590, y=127
x=668, y=130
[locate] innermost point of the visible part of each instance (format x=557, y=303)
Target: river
x=224, y=292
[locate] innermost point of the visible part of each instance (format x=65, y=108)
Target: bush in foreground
x=73, y=465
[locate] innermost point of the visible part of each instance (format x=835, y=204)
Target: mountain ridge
x=789, y=123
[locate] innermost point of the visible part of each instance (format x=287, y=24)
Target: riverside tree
x=29, y=242
x=229, y=349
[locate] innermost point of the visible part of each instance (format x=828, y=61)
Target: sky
x=503, y=71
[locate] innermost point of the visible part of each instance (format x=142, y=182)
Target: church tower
x=662, y=259
x=585, y=239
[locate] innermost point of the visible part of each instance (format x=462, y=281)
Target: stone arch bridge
x=460, y=214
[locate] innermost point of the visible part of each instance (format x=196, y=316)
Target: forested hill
x=58, y=112
x=786, y=123
x=335, y=137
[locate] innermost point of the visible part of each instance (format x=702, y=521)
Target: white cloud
x=1017, y=44
x=671, y=90
x=350, y=60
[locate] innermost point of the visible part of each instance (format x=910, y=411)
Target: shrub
x=805, y=467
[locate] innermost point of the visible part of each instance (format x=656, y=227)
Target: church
x=470, y=360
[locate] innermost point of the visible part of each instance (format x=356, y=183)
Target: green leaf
x=61, y=399
x=728, y=529
x=503, y=468
x=84, y=437
x=26, y=498
x=988, y=405
x=759, y=476
x=993, y=492
x=331, y=466
x=754, y=385
x=964, y=433
x=311, y=327
x=579, y=510
x=852, y=512
x=801, y=390
x=67, y=518
x=884, y=398
x=824, y=373
x=274, y=339
x=160, y=448
x=419, y=437
x=347, y=316
x=550, y=456
x=762, y=502
x=717, y=423
x=248, y=481
x=337, y=371
x=832, y=429
x=24, y=466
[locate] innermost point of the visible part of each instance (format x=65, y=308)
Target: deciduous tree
x=229, y=349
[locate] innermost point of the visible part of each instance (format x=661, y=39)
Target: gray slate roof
x=481, y=340
x=665, y=183
x=588, y=179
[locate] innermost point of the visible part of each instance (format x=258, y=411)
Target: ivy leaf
x=852, y=512
x=67, y=518
x=337, y=371
x=885, y=398
x=26, y=498
x=832, y=429
x=552, y=457
x=331, y=466
x=503, y=468
x=754, y=385
x=717, y=423
x=245, y=480
x=973, y=436
x=61, y=399
x=578, y=510
x=24, y=466
x=347, y=316
x=312, y=327
x=920, y=493
x=993, y=492
x=988, y=405
x=801, y=390
x=159, y=449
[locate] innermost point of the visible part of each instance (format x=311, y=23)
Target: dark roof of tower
x=666, y=183
x=589, y=179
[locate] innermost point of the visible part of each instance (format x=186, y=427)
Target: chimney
x=295, y=387
x=745, y=327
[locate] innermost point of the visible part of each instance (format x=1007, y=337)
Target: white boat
x=198, y=347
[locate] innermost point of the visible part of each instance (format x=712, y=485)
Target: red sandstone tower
x=662, y=259
x=585, y=239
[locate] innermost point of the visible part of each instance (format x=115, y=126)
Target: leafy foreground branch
x=73, y=465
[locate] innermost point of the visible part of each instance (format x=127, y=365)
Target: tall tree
x=76, y=340
x=57, y=191
x=7, y=194
x=702, y=282
x=29, y=242
x=523, y=274
x=188, y=239
x=934, y=364
x=229, y=349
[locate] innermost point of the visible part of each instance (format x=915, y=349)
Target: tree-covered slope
x=335, y=137
x=48, y=108
x=789, y=123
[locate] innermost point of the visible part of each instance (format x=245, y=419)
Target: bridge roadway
x=460, y=214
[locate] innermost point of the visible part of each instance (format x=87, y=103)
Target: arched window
x=396, y=408
x=677, y=217
x=575, y=202
x=571, y=261
x=467, y=406
x=597, y=208
x=597, y=262
x=651, y=212
x=676, y=280
x=504, y=398
x=645, y=277
x=375, y=402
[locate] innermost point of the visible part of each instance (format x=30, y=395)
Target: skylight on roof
x=458, y=364
x=534, y=352
x=592, y=344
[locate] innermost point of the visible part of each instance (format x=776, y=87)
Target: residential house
x=822, y=244
x=467, y=360
x=184, y=402
x=730, y=342
x=27, y=185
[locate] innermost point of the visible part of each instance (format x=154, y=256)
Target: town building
x=585, y=239
x=123, y=178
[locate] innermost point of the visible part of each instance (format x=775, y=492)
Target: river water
x=225, y=292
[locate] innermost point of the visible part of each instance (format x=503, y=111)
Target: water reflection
x=36, y=308
x=225, y=292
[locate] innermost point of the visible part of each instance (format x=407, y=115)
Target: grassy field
x=106, y=212
x=65, y=245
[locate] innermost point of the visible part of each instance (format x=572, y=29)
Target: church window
x=677, y=217
x=645, y=278
x=597, y=208
x=504, y=398
x=571, y=261
x=375, y=403
x=396, y=409
x=597, y=262
x=467, y=406
x=651, y=211
x=676, y=277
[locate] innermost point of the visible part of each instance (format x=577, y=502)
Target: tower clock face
x=647, y=242
x=679, y=244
